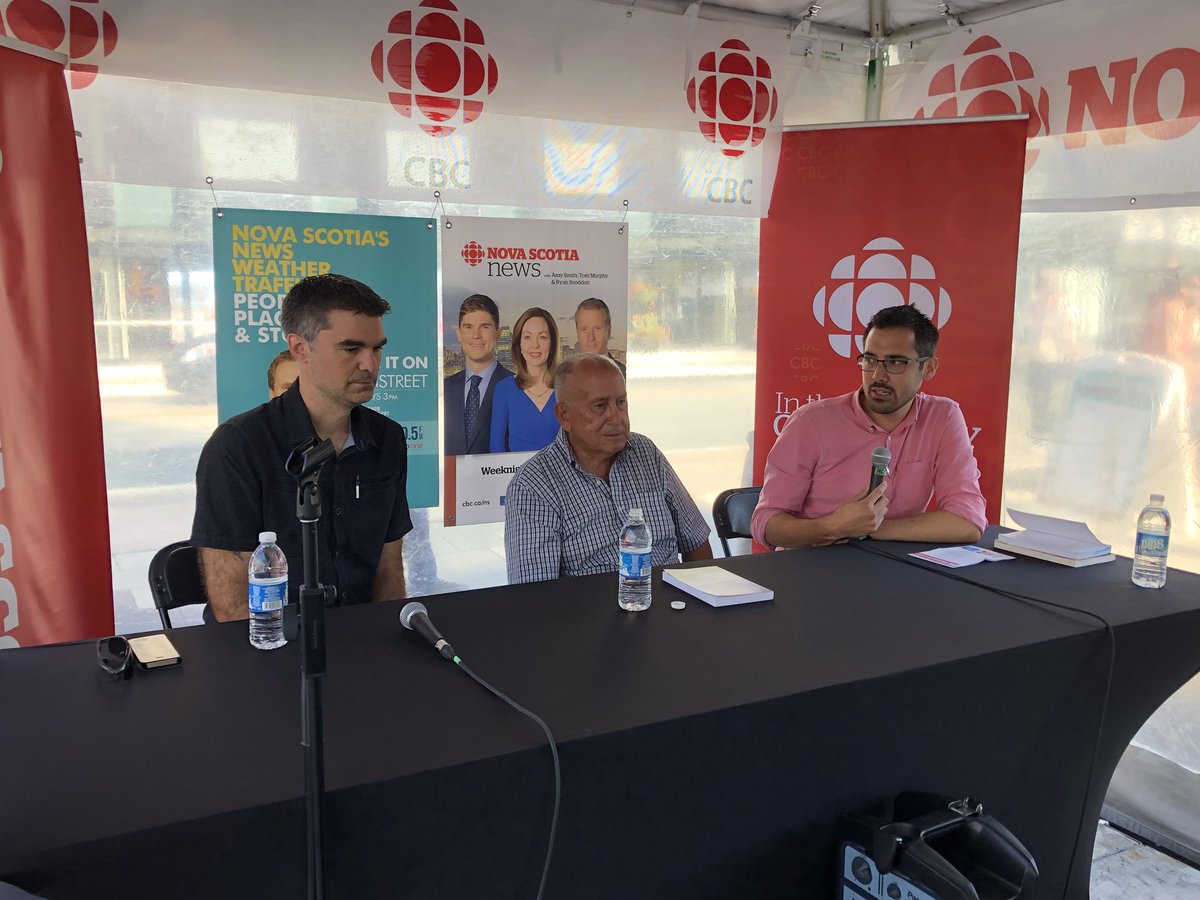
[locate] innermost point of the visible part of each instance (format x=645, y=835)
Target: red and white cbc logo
x=89, y=36
x=880, y=275
x=733, y=97
x=472, y=253
x=435, y=67
x=988, y=81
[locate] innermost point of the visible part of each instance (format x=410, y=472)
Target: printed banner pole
x=55, y=562
x=873, y=216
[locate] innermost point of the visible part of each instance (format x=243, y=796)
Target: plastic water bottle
x=1150, y=551
x=635, y=545
x=268, y=593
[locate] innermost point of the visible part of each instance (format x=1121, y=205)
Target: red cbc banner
x=55, y=567
x=871, y=216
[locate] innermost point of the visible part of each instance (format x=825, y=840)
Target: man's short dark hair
x=480, y=303
x=906, y=316
x=595, y=303
x=285, y=356
x=307, y=306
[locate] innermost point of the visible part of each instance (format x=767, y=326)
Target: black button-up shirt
x=242, y=488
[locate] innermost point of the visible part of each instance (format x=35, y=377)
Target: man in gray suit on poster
x=467, y=394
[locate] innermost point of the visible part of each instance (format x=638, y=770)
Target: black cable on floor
x=1024, y=598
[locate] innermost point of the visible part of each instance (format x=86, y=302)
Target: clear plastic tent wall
x=1105, y=391
x=565, y=110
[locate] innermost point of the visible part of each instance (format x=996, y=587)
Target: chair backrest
x=731, y=513
x=175, y=579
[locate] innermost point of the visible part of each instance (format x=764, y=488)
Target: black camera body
x=933, y=848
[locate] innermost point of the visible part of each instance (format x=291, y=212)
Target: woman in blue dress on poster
x=523, y=407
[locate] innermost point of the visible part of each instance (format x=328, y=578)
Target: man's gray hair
x=567, y=368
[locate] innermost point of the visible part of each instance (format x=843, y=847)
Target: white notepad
x=717, y=586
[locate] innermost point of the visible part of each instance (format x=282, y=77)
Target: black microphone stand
x=304, y=464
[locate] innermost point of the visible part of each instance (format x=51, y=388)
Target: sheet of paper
x=957, y=557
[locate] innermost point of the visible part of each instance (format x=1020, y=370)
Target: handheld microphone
x=415, y=617
x=881, y=458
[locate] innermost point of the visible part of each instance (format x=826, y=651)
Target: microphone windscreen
x=411, y=609
x=881, y=456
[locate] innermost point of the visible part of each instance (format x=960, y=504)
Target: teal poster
x=259, y=254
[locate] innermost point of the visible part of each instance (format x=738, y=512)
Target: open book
x=717, y=587
x=1059, y=541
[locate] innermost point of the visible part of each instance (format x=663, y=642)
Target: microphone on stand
x=881, y=458
x=415, y=617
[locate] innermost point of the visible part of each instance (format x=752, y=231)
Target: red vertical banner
x=55, y=566
x=872, y=216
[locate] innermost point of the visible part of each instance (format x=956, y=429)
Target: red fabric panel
x=55, y=567
x=950, y=195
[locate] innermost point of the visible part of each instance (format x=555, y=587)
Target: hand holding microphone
x=863, y=515
x=876, y=503
x=881, y=458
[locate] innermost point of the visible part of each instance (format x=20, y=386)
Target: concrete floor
x=1124, y=869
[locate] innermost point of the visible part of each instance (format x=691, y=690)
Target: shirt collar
x=563, y=446
x=300, y=427
x=485, y=374
x=859, y=415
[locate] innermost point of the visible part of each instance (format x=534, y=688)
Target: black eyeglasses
x=115, y=657
x=893, y=365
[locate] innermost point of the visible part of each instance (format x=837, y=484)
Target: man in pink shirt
x=814, y=490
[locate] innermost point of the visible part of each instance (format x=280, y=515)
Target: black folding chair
x=731, y=513
x=175, y=579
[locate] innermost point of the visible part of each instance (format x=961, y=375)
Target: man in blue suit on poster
x=467, y=394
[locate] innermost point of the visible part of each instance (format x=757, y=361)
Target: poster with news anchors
x=518, y=297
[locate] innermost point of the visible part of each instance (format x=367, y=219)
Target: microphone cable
x=553, y=751
x=1110, y=635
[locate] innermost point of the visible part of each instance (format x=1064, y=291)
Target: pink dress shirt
x=822, y=460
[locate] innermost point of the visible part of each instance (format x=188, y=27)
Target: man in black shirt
x=335, y=332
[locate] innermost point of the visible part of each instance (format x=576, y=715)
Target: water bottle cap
x=266, y=537
x=1156, y=498
x=635, y=514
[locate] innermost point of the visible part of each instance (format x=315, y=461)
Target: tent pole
x=878, y=44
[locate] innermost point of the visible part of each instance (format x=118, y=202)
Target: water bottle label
x=635, y=565
x=1153, y=545
x=268, y=597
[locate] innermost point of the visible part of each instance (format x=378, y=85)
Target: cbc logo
x=472, y=253
x=434, y=66
x=882, y=274
x=988, y=81
x=434, y=172
x=90, y=36
x=733, y=97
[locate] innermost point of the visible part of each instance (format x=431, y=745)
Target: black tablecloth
x=705, y=752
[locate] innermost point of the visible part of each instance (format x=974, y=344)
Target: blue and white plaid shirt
x=560, y=520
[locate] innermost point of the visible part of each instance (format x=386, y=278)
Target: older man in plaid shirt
x=566, y=506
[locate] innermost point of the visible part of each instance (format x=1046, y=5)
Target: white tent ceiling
x=849, y=19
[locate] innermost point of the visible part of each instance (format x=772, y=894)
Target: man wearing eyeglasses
x=814, y=490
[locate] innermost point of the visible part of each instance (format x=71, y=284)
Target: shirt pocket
x=912, y=480
x=367, y=503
